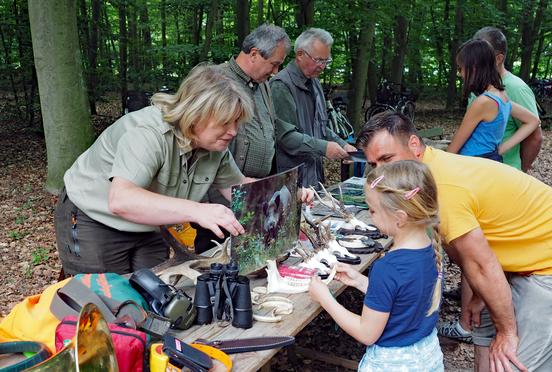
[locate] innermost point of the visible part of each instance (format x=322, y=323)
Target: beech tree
x=63, y=98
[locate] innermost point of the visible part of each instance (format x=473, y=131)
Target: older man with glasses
x=301, y=132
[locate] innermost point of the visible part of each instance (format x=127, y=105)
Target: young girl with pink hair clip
x=403, y=288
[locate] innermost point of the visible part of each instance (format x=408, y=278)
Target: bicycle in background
x=543, y=95
x=390, y=99
x=337, y=121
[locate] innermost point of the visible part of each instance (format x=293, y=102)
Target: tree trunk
x=213, y=10
x=93, y=56
x=414, y=55
x=304, y=15
x=351, y=41
x=82, y=24
x=163, y=14
x=513, y=44
x=108, y=44
x=384, y=71
x=360, y=67
x=528, y=41
x=197, y=23
x=502, y=17
x=526, y=38
x=65, y=111
x=372, y=81
x=26, y=78
x=145, y=36
x=260, y=12
x=538, y=54
x=275, y=13
x=399, y=50
x=7, y=46
x=134, y=54
x=242, y=21
x=453, y=46
x=440, y=36
x=123, y=41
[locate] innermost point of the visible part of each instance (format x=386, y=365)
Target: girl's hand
x=305, y=195
x=318, y=290
x=347, y=275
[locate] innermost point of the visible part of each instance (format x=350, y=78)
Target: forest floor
x=30, y=263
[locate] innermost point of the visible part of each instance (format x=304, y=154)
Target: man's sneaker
x=455, y=331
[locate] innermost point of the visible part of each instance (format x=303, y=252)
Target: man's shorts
x=532, y=299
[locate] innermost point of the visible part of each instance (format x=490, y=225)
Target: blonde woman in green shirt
x=152, y=167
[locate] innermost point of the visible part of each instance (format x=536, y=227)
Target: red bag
x=129, y=344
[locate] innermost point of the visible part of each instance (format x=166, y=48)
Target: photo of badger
x=270, y=213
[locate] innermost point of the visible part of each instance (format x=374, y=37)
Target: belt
x=216, y=354
x=248, y=344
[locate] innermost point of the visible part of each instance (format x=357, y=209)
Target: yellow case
x=158, y=359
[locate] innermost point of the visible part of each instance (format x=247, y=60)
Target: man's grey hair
x=307, y=37
x=266, y=38
x=495, y=37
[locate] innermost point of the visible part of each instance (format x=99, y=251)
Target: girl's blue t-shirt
x=487, y=135
x=401, y=283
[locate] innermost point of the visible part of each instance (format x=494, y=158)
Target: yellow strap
x=215, y=353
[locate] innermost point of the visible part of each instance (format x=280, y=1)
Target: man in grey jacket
x=301, y=132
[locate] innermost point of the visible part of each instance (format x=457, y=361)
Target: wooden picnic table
x=304, y=312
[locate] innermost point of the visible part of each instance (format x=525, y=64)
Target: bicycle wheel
x=376, y=109
x=408, y=109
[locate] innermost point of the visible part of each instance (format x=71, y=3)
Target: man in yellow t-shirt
x=494, y=220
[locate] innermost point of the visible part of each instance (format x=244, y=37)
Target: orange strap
x=216, y=354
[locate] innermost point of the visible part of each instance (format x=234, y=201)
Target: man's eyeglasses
x=319, y=61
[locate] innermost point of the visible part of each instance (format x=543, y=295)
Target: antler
x=191, y=268
x=336, y=205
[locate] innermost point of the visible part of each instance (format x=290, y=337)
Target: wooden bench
x=431, y=133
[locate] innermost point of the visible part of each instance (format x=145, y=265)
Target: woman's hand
x=347, y=275
x=318, y=291
x=215, y=216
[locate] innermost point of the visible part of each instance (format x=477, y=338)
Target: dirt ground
x=30, y=263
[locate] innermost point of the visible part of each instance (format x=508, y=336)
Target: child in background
x=403, y=291
x=481, y=131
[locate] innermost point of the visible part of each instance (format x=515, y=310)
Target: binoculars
x=223, y=295
x=163, y=299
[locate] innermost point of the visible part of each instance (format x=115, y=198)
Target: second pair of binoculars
x=223, y=295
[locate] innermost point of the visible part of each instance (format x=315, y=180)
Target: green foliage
x=39, y=256
x=16, y=235
x=247, y=218
x=238, y=199
x=29, y=203
x=153, y=61
x=28, y=270
x=20, y=219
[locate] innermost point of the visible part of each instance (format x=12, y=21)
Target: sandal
x=346, y=259
x=376, y=248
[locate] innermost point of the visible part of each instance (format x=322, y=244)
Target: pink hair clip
x=409, y=195
x=440, y=275
x=376, y=181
